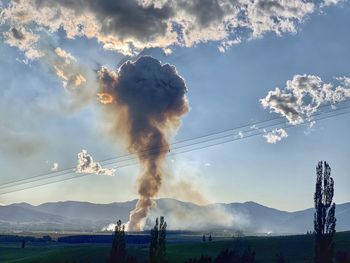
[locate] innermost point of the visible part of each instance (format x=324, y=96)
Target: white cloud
x=275, y=135
x=24, y=40
x=331, y=2
x=310, y=128
x=345, y=81
x=86, y=164
x=303, y=95
x=227, y=44
x=68, y=58
x=66, y=68
x=54, y=167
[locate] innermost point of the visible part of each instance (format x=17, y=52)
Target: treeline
x=227, y=256
x=14, y=238
x=103, y=239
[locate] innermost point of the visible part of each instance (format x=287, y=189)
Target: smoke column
x=144, y=100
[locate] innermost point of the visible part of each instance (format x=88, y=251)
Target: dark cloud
x=123, y=17
x=17, y=34
x=205, y=11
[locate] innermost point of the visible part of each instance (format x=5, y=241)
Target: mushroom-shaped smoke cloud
x=145, y=101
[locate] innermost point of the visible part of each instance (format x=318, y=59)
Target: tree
x=280, y=258
x=154, y=241
x=248, y=255
x=210, y=238
x=118, y=252
x=342, y=257
x=203, y=238
x=202, y=259
x=23, y=244
x=227, y=256
x=131, y=259
x=233, y=256
x=324, y=217
x=158, y=241
x=162, y=239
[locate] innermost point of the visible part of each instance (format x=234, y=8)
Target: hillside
x=248, y=217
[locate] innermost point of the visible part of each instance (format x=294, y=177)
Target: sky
x=232, y=57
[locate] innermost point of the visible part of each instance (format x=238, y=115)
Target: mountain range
x=248, y=217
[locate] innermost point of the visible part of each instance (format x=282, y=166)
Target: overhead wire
x=228, y=138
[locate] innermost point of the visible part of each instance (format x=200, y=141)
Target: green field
x=295, y=248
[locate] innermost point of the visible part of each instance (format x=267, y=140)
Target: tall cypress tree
x=154, y=242
x=158, y=241
x=162, y=240
x=118, y=252
x=324, y=218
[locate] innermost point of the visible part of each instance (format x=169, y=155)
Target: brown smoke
x=145, y=101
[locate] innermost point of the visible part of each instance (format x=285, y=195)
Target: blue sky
x=224, y=90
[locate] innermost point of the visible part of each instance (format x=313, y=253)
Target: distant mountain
x=248, y=217
x=89, y=211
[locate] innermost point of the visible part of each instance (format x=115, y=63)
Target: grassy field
x=295, y=248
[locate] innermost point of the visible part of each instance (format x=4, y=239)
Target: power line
x=229, y=139
x=103, y=161
x=130, y=155
x=156, y=150
x=30, y=187
x=260, y=132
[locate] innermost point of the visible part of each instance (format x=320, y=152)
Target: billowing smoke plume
x=145, y=102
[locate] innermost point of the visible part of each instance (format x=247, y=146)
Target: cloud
x=67, y=69
x=54, y=167
x=86, y=164
x=275, y=135
x=129, y=26
x=78, y=81
x=303, y=96
x=24, y=40
x=332, y=2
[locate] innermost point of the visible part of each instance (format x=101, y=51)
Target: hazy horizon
x=164, y=198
